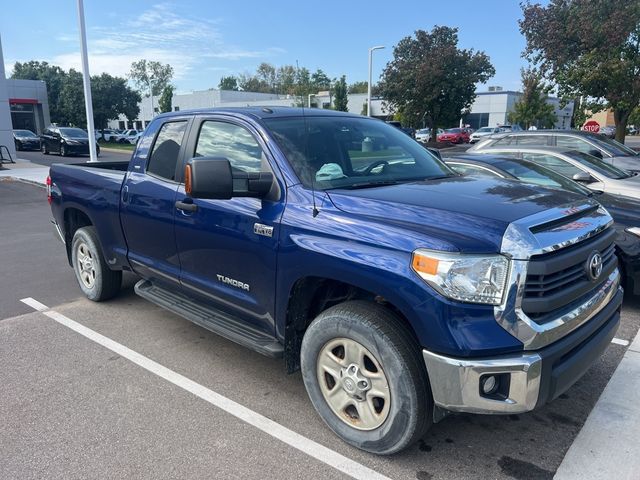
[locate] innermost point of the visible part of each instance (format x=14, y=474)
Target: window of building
x=220, y=139
x=121, y=125
x=164, y=156
x=176, y=109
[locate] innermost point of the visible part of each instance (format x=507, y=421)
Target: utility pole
x=369, y=82
x=88, y=104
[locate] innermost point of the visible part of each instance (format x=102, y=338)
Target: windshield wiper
x=381, y=183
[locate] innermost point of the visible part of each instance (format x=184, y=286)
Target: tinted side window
x=508, y=140
x=572, y=143
x=531, y=139
x=553, y=163
x=164, y=156
x=233, y=142
x=467, y=169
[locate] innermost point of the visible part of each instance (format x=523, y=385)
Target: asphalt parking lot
x=70, y=407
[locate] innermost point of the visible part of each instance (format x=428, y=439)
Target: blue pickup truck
x=401, y=290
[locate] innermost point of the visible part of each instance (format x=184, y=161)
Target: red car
x=455, y=135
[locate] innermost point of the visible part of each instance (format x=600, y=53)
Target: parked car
x=454, y=135
x=608, y=131
x=66, y=141
x=632, y=130
x=26, y=140
x=586, y=169
x=594, y=144
x=408, y=130
x=394, y=284
x=130, y=136
x=424, y=134
x=108, y=135
x=625, y=211
x=483, y=132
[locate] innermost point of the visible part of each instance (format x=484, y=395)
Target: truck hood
x=460, y=213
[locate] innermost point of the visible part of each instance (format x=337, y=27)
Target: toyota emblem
x=594, y=266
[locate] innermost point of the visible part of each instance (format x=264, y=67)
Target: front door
x=228, y=248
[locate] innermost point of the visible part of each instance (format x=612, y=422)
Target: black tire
x=105, y=282
x=63, y=150
x=18, y=146
x=388, y=339
x=44, y=148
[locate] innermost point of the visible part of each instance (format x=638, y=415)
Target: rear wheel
x=44, y=148
x=365, y=377
x=97, y=281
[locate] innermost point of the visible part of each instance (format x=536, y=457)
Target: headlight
x=468, y=278
x=71, y=142
x=634, y=230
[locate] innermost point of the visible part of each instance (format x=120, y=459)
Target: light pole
x=379, y=47
x=87, y=84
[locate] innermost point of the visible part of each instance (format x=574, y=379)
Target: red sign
x=591, y=126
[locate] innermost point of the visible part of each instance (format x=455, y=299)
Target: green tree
x=589, y=48
x=165, y=103
x=266, y=74
x=302, y=87
x=320, y=81
x=53, y=76
x=150, y=77
x=431, y=80
x=532, y=108
x=251, y=83
x=358, y=87
x=228, y=83
x=286, y=79
x=340, y=99
x=111, y=97
x=71, y=101
x=634, y=118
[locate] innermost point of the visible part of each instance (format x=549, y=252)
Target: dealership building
x=490, y=108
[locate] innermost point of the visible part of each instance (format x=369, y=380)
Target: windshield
x=598, y=165
x=484, y=130
x=616, y=149
x=538, y=175
x=453, y=130
x=24, y=133
x=352, y=152
x=73, y=132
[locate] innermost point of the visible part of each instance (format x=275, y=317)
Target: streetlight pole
x=87, y=84
x=379, y=47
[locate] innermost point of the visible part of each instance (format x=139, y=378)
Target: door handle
x=187, y=207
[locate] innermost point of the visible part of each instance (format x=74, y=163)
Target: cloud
x=159, y=33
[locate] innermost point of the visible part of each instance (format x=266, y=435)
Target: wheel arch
x=311, y=295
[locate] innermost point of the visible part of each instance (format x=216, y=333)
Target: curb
x=607, y=445
x=23, y=180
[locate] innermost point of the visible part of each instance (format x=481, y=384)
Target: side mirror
x=212, y=178
x=595, y=153
x=583, y=177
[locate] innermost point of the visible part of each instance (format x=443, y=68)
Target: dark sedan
x=26, y=140
x=66, y=141
x=624, y=210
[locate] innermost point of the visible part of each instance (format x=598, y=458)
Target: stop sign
x=591, y=126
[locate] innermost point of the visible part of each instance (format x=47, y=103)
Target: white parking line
x=291, y=438
x=619, y=341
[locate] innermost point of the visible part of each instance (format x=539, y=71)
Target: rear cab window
x=164, y=155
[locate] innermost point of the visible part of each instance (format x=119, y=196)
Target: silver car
x=483, y=132
x=591, y=171
x=609, y=150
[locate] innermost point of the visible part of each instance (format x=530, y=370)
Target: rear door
x=148, y=203
x=228, y=248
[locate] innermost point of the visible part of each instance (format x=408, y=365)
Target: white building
x=228, y=98
x=492, y=108
x=6, y=137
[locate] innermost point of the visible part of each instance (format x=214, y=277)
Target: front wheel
x=63, y=150
x=365, y=377
x=44, y=148
x=97, y=281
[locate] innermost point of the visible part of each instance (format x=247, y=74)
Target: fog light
x=489, y=384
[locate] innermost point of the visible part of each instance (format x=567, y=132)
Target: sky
x=205, y=40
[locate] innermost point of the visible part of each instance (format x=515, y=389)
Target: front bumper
x=527, y=380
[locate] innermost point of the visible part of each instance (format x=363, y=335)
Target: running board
x=216, y=321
